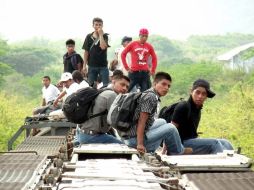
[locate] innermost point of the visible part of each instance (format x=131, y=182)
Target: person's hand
x=100, y=31
x=55, y=103
x=129, y=70
x=141, y=149
x=151, y=73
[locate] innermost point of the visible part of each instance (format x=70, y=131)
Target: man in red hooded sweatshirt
x=141, y=52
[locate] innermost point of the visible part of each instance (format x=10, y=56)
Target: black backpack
x=78, y=106
x=167, y=111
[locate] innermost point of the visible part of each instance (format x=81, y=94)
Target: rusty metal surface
x=19, y=171
x=44, y=145
x=220, y=181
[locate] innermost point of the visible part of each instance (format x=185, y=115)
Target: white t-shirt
x=73, y=88
x=83, y=84
x=50, y=93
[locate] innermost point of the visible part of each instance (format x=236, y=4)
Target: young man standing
x=72, y=60
x=139, y=70
x=186, y=118
x=95, y=55
x=95, y=129
x=125, y=41
x=148, y=133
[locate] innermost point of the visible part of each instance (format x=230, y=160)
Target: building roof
x=228, y=55
x=222, y=181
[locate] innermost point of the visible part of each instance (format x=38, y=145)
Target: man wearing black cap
x=186, y=118
x=125, y=41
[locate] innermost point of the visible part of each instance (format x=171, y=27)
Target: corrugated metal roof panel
x=220, y=181
x=228, y=55
x=44, y=145
x=20, y=170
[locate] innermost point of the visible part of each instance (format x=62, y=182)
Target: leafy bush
x=13, y=110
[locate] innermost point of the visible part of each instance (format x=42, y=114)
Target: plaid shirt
x=148, y=104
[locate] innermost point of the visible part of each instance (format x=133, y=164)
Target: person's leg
x=76, y=138
x=104, y=73
x=204, y=146
x=92, y=74
x=100, y=138
x=163, y=131
x=149, y=82
x=133, y=80
x=226, y=144
x=40, y=110
x=143, y=80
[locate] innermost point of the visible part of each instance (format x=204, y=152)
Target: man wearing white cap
x=69, y=86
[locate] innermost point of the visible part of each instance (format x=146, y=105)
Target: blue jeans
x=83, y=138
x=207, y=146
x=139, y=77
x=158, y=132
x=94, y=72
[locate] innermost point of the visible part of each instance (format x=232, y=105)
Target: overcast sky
x=175, y=19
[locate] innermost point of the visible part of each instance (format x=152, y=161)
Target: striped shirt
x=148, y=104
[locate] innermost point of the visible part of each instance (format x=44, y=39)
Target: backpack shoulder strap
x=103, y=112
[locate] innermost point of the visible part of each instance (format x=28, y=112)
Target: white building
x=234, y=59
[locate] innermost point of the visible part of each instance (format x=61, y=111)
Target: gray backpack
x=121, y=112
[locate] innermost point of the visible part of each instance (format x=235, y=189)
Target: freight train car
x=48, y=162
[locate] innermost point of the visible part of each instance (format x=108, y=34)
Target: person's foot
x=187, y=151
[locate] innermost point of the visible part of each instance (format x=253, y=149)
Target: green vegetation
x=229, y=115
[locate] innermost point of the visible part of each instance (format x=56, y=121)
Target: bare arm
x=103, y=44
x=86, y=53
x=58, y=98
x=80, y=67
x=154, y=61
x=140, y=131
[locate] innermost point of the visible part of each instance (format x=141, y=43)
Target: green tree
x=4, y=70
x=29, y=60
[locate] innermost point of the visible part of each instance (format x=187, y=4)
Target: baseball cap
x=126, y=39
x=143, y=31
x=66, y=76
x=205, y=84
